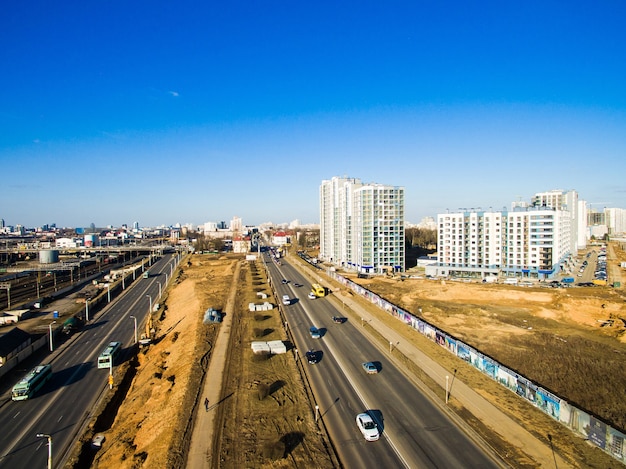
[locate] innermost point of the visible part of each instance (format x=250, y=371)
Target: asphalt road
x=415, y=432
x=61, y=407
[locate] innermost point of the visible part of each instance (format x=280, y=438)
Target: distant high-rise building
x=136, y=226
x=532, y=242
x=565, y=201
x=209, y=227
x=236, y=224
x=362, y=225
x=615, y=220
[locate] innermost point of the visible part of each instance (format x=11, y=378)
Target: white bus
x=109, y=354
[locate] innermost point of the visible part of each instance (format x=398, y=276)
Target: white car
x=286, y=300
x=368, y=427
x=97, y=440
x=370, y=368
x=312, y=296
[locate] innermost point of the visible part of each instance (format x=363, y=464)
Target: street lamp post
x=51, y=343
x=135, y=319
x=111, y=373
x=43, y=435
x=86, y=309
x=108, y=292
x=159, y=288
x=150, y=298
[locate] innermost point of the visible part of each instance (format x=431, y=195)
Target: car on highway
x=284, y=281
x=367, y=426
x=339, y=319
x=315, y=332
x=312, y=356
x=370, y=368
x=97, y=440
x=311, y=296
x=297, y=285
x=286, y=300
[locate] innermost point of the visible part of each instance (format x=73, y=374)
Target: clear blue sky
x=168, y=112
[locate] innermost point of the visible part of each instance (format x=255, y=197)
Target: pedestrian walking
x=206, y=404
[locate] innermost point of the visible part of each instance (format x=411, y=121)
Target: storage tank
x=91, y=240
x=49, y=256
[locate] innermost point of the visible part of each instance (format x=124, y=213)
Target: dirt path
x=201, y=450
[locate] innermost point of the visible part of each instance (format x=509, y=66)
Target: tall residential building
x=236, y=225
x=362, y=225
x=530, y=242
x=566, y=201
x=615, y=220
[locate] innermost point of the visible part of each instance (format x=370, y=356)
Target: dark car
x=312, y=356
x=339, y=319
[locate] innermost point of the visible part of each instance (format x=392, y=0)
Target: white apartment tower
x=362, y=225
x=531, y=242
x=236, y=225
x=565, y=201
x=615, y=220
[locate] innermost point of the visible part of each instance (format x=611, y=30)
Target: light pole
x=51, y=344
x=150, y=298
x=135, y=319
x=159, y=288
x=43, y=435
x=317, y=413
x=86, y=309
x=108, y=292
x=111, y=373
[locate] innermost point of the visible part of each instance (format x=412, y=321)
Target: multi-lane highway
x=415, y=432
x=62, y=405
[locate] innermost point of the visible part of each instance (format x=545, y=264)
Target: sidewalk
x=482, y=409
x=201, y=446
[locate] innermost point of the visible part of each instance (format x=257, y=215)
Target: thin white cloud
x=174, y=93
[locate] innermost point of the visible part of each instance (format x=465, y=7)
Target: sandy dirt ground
x=152, y=422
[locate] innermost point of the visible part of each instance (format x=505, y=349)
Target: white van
x=286, y=300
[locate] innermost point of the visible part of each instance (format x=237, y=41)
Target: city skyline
x=116, y=112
